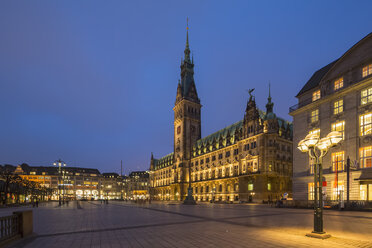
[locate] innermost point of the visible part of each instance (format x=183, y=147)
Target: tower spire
x=269, y=105
x=187, y=48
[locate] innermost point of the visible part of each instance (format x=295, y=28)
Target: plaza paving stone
x=120, y=224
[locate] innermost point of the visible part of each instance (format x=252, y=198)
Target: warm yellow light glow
x=339, y=83
x=316, y=95
x=314, y=115
x=301, y=146
x=311, y=140
x=367, y=70
x=324, y=144
x=366, y=124
x=334, y=137
x=338, y=107
x=340, y=127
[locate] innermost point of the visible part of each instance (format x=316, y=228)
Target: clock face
x=178, y=129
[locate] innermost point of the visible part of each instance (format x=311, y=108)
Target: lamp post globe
x=317, y=148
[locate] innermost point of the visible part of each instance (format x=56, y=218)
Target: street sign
x=324, y=183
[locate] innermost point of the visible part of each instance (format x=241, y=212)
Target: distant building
x=112, y=186
x=138, y=185
x=251, y=160
x=338, y=97
x=75, y=183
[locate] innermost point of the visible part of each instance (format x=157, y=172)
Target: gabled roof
x=321, y=73
x=316, y=78
x=237, y=126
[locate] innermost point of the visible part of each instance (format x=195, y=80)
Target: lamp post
x=59, y=163
x=317, y=148
x=189, y=200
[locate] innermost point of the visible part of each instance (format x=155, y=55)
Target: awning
x=366, y=175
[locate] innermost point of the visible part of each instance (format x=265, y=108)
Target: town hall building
x=250, y=160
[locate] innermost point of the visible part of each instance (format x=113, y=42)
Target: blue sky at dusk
x=94, y=82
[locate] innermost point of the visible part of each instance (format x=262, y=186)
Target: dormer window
x=339, y=83
x=367, y=70
x=316, y=95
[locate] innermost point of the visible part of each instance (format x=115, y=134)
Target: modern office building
x=338, y=97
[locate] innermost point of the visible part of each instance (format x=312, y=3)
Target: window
x=366, y=96
x=366, y=157
x=315, y=131
x=220, y=156
x=338, y=107
x=250, y=186
x=363, y=192
x=339, y=83
x=337, y=189
x=338, y=160
x=201, y=161
x=367, y=70
x=314, y=117
x=339, y=126
x=227, y=154
x=213, y=158
x=269, y=186
x=236, y=151
x=270, y=167
x=310, y=191
x=316, y=95
x=366, y=124
x=207, y=160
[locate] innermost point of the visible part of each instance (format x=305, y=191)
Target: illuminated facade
x=251, y=160
x=337, y=97
x=74, y=183
x=138, y=185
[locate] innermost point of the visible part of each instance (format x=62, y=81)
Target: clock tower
x=187, y=122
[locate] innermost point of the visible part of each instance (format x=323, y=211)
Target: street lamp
x=317, y=148
x=59, y=163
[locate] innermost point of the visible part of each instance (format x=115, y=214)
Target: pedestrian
x=37, y=203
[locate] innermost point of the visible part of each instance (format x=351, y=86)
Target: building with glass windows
x=338, y=97
x=250, y=160
x=74, y=183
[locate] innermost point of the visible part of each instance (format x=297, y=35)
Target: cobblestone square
x=120, y=224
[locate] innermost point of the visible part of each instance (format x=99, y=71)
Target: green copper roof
x=165, y=161
x=220, y=134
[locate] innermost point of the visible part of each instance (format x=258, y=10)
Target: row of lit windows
x=338, y=165
x=338, y=106
x=365, y=191
x=339, y=83
x=227, y=154
x=365, y=126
